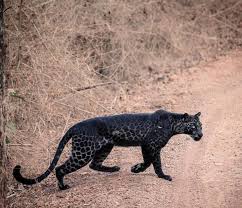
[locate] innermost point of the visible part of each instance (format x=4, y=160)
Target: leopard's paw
x=166, y=177
x=137, y=168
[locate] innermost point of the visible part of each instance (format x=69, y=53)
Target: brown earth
x=205, y=174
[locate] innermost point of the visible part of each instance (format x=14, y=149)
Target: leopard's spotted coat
x=93, y=140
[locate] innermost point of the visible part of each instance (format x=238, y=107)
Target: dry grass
x=59, y=48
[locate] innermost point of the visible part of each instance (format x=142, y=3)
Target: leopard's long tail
x=16, y=171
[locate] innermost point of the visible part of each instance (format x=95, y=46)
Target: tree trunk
x=3, y=177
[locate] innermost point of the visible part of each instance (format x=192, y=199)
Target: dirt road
x=205, y=174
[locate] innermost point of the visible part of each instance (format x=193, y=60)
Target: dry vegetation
x=58, y=48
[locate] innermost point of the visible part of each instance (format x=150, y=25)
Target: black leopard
x=93, y=140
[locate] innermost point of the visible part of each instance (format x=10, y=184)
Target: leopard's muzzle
x=197, y=137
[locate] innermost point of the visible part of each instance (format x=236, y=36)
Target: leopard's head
x=191, y=125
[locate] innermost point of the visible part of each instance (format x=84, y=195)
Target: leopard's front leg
x=157, y=166
x=140, y=167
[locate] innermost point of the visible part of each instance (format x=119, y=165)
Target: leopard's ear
x=185, y=115
x=198, y=114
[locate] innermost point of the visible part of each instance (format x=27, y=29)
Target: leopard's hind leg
x=71, y=165
x=83, y=151
x=100, y=156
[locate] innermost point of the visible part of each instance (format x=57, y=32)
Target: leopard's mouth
x=197, y=137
